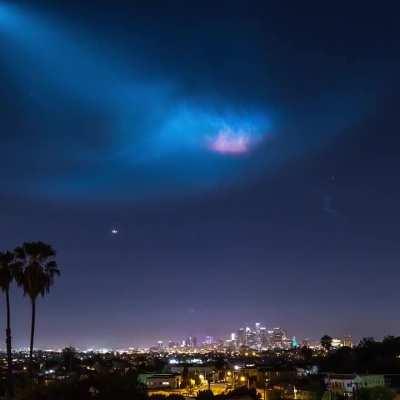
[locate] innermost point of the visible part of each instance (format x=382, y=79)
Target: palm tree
x=36, y=278
x=9, y=269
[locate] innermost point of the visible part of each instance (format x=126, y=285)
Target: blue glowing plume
x=145, y=135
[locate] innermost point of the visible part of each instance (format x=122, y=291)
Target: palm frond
x=38, y=268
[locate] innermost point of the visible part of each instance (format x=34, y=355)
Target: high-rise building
x=257, y=333
x=347, y=341
x=172, y=344
x=160, y=344
x=209, y=340
x=241, y=337
x=260, y=338
x=279, y=339
x=264, y=338
x=191, y=341
x=251, y=338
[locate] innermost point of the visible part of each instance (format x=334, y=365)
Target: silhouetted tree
x=367, y=342
x=342, y=360
x=205, y=395
x=306, y=354
x=175, y=396
x=9, y=268
x=101, y=387
x=391, y=345
x=157, y=396
x=326, y=342
x=185, y=377
x=69, y=359
x=275, y=394
x=220, y=366
x=375, y=393
x=37, y=277
x=243, y=391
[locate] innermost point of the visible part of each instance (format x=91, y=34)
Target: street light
x=192, y=383
x=244, y=379
x=265, y=388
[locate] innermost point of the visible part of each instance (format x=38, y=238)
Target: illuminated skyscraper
x=279, y=339
x=241, y=337
x=251, y=340
x=347, y=341
x=264, y=338
x=209, y=340
x=191, y=341
x=160, y=345
x=261, y=338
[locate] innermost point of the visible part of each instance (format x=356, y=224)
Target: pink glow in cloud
x=228, y=141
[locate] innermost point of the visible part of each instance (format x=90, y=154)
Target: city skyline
x=230, y=341
x=199, y=167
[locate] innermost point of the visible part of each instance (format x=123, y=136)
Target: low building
x=160, y=381
x=307, y=371
x=336, y=343
x=345, y=341
x=348, y=384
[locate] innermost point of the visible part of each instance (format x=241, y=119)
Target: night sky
x=247, y=154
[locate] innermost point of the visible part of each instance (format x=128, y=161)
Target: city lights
x=199, y=200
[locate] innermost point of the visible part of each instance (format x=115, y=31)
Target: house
x=348, y=384
x=160, y=381
x=307, y=371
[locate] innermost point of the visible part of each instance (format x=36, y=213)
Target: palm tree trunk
x=33, y=303
x=10, y=383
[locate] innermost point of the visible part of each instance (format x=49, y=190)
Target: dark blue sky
x=247, y=152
